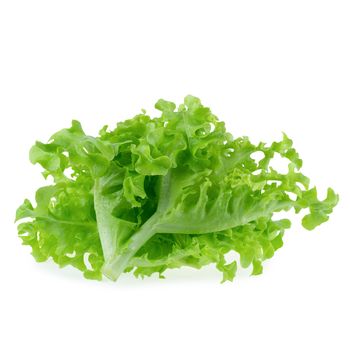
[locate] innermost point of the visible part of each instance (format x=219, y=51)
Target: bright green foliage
x=153, y=194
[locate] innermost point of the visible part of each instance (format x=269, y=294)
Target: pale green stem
x=116, y=265
x=105, y=222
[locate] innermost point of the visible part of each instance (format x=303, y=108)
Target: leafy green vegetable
x=154, y=194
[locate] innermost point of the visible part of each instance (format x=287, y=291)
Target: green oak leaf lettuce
x=161, y=193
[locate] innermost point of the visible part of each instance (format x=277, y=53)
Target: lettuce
x=161, y=193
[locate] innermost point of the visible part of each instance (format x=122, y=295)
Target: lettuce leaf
x=161, y=193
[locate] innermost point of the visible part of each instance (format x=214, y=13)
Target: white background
x=263, y=67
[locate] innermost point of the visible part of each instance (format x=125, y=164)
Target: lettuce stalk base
x=116, y=265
